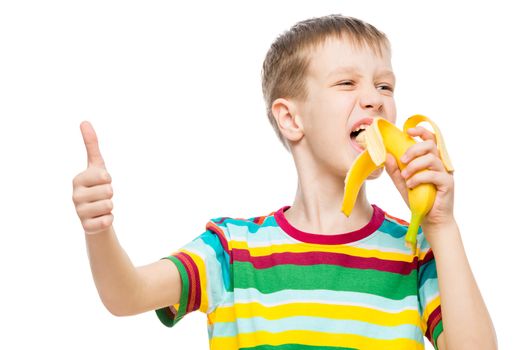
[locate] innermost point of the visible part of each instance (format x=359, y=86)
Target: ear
x=288, y=121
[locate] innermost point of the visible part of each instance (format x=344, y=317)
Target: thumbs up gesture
x=92, y=190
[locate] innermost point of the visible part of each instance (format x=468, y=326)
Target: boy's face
x=345, y=85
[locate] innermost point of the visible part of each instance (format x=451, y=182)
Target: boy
x=306, y=276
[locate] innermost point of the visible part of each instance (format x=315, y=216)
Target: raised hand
x=92, y=190
x=425, y=156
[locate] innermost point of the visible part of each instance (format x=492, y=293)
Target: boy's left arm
x=465, y=318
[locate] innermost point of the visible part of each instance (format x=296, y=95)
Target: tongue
x=361, y=139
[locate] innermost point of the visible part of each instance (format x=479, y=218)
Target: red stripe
x=433, y=319
x=222, y=219
x=312, y=258
x=398, y=220
x=429, y=256
x=259, y=220
x=371, y=227
x=197, y=284
x=193, y=277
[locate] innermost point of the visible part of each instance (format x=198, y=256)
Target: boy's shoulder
x=245, y=220
x=221, y=224
x=395, y=219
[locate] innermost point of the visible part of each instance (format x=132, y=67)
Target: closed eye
x=387, y=87
x=351, y=83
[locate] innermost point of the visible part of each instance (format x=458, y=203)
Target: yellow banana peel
x=384, y=137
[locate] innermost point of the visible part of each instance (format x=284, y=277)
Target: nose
x=370, y=98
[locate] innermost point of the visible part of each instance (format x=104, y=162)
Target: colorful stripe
x=266, y=285
x=319, y=257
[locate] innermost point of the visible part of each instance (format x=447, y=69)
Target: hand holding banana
x=92, y=190
x=421, y=171
x=423, y=165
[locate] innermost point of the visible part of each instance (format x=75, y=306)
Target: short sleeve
x=428, y=292
x=204, y=265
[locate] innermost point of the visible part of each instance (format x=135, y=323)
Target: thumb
x=394, y=173
x=94, y=157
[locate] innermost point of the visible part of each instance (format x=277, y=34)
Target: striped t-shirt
x=266, y=285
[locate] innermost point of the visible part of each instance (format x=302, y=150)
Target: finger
x=94, y=225
x=91, y=194
x=392, y=166
x=394, y=173
x=94, y=157
x=423, y=133
x=438, y=178
x=427, y=161
x=419, y=149
x=94, y=209
x=91, y=177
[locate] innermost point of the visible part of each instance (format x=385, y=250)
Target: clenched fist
x=92, y=190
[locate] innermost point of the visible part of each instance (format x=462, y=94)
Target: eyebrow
x=354, y=71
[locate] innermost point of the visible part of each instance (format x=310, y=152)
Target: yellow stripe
x=301, y=248
x=432, y=305
x=203, y=278
x=342, y=312
x=247, y=340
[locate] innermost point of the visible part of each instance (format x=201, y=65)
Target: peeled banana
x=384, y=137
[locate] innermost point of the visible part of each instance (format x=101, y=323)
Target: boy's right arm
x=123, y=288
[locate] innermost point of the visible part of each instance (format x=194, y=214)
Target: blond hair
x=287, y=60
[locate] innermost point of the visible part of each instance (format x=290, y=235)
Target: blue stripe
x=426, y=291
x=246, y=295
x=211, y=239
x=317, y=324
x=427, y=270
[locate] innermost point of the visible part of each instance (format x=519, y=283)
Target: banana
x=384, y=137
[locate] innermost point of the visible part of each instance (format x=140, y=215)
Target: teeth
x=361, y=127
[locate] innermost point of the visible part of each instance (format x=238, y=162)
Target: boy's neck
x=323, y=215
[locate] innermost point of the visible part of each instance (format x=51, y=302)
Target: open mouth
x=358, y=137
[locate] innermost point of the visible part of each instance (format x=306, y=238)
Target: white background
x=174, y=94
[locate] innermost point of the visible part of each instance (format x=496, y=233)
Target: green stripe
x=324, y=276
x=296, y=347
x=436, y=332
x=184, y=296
